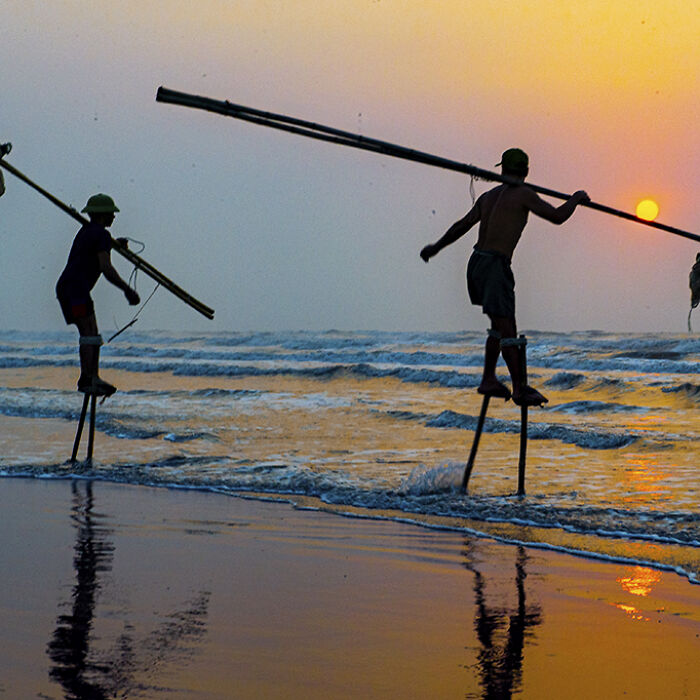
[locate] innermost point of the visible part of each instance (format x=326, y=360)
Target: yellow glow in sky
x=647, y=209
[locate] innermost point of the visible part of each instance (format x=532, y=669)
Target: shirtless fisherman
x=89, y=258
x=502, y=214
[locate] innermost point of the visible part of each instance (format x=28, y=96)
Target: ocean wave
x=692, y=391
x=117, y=426
x=445, y=378
x=20, y=362
x=337, y=340
x=565, y=380
x=589, y=439
x=615, y=364
x=404, y=355
x=208, y=393
x=586, y=407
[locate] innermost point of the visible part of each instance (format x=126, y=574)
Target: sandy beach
x=130, y=591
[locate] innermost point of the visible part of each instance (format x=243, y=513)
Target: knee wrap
x=91, y=340
x=514, y=342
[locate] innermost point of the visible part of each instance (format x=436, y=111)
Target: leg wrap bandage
x=91, y=340
x=494, y=334
x=514, y=342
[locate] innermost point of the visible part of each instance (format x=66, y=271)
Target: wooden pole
x=346, y=138
x=522, y=358
x=79, y=433
x=91, y=433
x=137, y=261
x=475, y=443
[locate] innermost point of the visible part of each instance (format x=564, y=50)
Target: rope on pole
x=329, y=134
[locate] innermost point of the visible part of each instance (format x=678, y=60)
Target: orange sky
x=603, y=95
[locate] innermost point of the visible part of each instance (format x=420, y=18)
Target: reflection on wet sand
x=85, y=671
x=639, y=581
x=501, y=628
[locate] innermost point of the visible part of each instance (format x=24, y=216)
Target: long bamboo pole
x=346, y=138
x=137, y=261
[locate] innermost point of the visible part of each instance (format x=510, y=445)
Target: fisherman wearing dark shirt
x=502, y=214
x=88, y=259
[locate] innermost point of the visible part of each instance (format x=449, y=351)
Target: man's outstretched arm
x=454, y=233
x=557, y=215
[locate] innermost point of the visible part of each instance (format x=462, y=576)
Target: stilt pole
x=522, y=356
x=91, y=433
x=475, y=444
x=92, y=399
x=79, y=433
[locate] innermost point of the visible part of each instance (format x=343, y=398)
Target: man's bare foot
x=96, y=386
x=529, y=397
x=495, y=389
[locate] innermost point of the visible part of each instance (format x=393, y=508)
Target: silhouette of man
x=88, y=259
x=502, y=214
x=5, y=148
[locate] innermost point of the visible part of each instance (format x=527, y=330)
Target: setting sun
x=647, y=209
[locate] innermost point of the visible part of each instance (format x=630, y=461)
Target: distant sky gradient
x=279, y=232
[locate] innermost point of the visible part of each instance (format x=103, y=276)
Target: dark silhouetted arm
x=454, y=233
x=557, y=215
x=107, y=269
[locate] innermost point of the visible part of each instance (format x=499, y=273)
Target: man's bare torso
x=502, y=217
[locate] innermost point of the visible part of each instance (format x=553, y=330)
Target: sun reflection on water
x=632, y=612
x=647, y=481
x=640, y=580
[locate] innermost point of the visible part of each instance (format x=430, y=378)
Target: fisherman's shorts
x=491, y=284
x=75, y=307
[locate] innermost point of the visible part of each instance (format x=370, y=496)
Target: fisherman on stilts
x=88, y=259
x=502, y=214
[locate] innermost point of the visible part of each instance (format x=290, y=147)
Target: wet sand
x=125, y=591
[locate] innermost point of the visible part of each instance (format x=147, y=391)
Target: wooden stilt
x=521, y=343
x=81, y=423
x=91, y=433
x=475, y=444
x=523, y=418
x=92, y=399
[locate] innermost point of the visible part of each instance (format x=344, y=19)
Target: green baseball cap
x=515, y=160
x=100, y=204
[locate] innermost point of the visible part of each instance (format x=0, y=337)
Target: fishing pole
x=329, y=134
x=137, y=261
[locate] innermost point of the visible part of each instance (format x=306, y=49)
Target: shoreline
x=601, y=547
x=142, y=590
